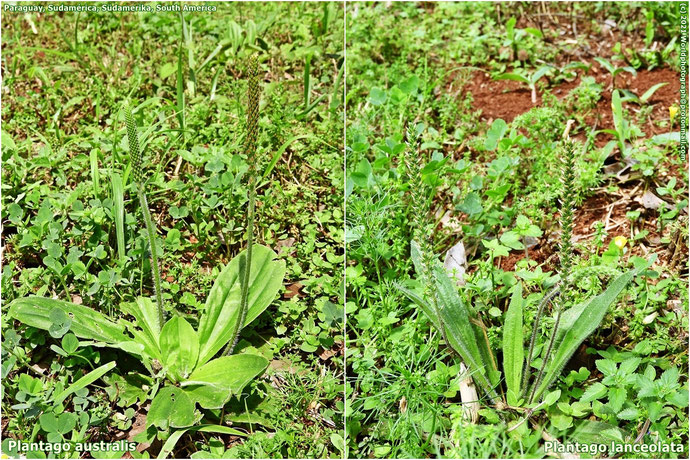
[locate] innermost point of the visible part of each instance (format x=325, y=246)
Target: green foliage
x=578, y=323
x=612, y=69
x=222, y=315
x=513, y=347
x=138, y=174
x=183, y=75
x=530, y=80
x=176, y=345
x=253, y=93
x=479, y=176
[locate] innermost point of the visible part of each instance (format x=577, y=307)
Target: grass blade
x=307, y=80
x=336, y=98
x=95, y=173
x=82, y=382
x=514, y=77
x=280, y=152
x=650, y=92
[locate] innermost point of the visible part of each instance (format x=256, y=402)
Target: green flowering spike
x=253, y=96
x=133, y=146
x=417, y=189
x=567, y=213
x=138, y=176
x=565, y=253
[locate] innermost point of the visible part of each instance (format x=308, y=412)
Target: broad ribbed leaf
x=86, y=323
x=146, y=314
x=223, y=303
x=179, y=347
x=214, y=383
x=140, y=344
x=513, y=345
x=171, y=407
x=580, y=326
x=412, y=291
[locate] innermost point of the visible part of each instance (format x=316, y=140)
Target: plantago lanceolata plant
x=566, y=247
x=463, y=334
x=463, y=330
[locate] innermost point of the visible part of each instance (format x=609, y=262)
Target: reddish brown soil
x=611, y=211
x=596, y=209
x=507, y=99
x=538, y=253
x=504, y=99
x=645, y=79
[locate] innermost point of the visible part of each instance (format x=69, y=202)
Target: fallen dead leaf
x=293, y=290
x=649, y=200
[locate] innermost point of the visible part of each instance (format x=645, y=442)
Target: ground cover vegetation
x=516, y=229
x=172, y=231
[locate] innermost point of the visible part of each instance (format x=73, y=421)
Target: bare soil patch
x=507, y=99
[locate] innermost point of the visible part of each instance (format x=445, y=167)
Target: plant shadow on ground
x=489, y=158
x=66, y=179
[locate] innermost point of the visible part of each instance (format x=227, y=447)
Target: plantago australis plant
x=195, y=370
x=140, y=184
x=464, y=332
x=253, y=96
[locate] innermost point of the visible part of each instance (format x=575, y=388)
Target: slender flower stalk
x=535, y=327
x=138, y=175
x=566, y=247
x=253, y=96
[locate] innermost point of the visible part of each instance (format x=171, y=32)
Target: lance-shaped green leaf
x=513, y=346
x=580, y=322
x=83, y=382
x=223, y=303
x=148, y=328
x=452, y=312
x=179, y=348
x=169, y=445
x=86, y=323
x=212, y=384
